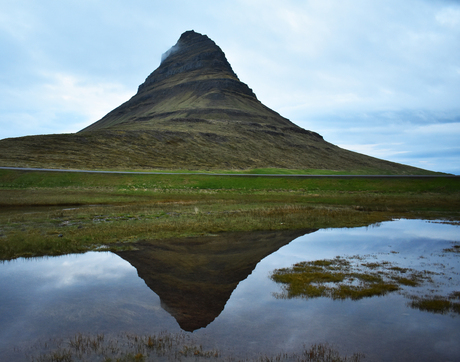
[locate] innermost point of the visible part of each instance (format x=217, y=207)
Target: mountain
x=192, y=112
x=194, y=84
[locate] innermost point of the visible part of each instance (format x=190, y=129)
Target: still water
x=219, y=291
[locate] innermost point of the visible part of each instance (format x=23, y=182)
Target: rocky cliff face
x=194, y=52
x=194, y=80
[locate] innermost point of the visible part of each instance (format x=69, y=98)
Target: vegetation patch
x=162, y=347
x=454, y=249
x=54, y=213
x=437, y=304
x=355, y=278
x=124, y=347
x=339, y=278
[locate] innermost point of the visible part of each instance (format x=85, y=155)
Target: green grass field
x=53, y=213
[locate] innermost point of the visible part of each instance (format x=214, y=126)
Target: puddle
x=219, y=291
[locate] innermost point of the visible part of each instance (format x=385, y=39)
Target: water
x=221, y=294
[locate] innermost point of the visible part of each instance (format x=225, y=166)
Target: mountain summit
x=191, y=113
x=196, y=82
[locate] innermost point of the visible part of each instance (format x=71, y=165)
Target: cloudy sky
x=380, y=77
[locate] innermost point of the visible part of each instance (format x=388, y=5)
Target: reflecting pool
x=218, y=289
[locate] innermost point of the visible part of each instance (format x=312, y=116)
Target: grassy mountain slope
x=197, y=150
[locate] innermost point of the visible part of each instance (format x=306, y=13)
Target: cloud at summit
x=378, y=77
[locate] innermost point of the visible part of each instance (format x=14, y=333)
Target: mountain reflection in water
x=195, y=277
x=220, y=288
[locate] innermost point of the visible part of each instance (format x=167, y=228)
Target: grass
x=53, y=213
x=438, y=304
x=339, y=279
x=125, y=347
x=214, y=146
x=454, y=249
x=283, y=171
x=165, y=347
x=355, y=278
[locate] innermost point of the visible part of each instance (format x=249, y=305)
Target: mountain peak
x=194, y=81
x=191, y=36
x=192, y=53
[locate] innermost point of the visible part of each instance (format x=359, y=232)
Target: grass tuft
x=338, y=279
x=437, y=304
x=164, y=347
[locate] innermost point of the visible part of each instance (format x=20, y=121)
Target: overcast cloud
x=380, y=77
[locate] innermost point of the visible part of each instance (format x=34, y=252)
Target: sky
x=379, y=77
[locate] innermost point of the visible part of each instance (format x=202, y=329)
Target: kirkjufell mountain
x=191, y=113
x=193, y=84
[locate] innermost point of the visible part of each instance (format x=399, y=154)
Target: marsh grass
x=437, y=304
x=124, y=347
x=340, y=279
x=455, y=248
x=51, y=213
x=163, y=347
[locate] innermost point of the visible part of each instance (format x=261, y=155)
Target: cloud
x=60, y=103
x=379, y=150
x=417, y=138
x=449, y=17
x=175, y=48
x=355, y=55
x=69, y=94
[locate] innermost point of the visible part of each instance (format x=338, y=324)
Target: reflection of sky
x=101, y=293
x=53, y=296
x=72, y=270
x=373, y=325
x=403, y=235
